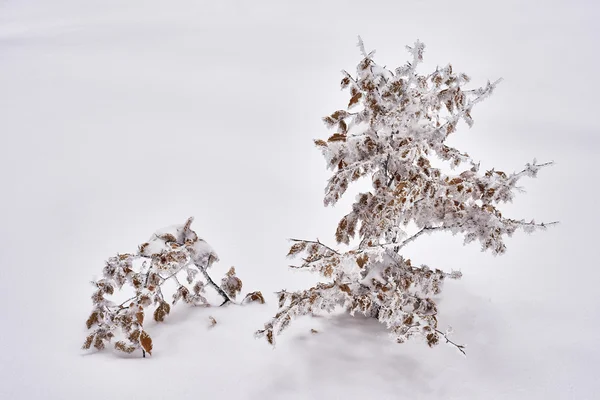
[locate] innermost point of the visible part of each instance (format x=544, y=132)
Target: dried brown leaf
x=345, y=288
x=139, y=317
x=134, y=336
x=362, y=260
x=162, y=311
x=296, y=248
x=92, y=319
x=354, y=99
x=98, y=343
x=124, y=347
x=254, y=297
x=345, y=82
x=212, y=320
x=88, y=342
x=146, y=342
x=198, y=287
x=337, y=137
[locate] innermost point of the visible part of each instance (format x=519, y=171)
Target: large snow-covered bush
x=396, y=123
x=175, y=254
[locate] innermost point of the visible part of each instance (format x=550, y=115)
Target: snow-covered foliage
x=395, y=124
x=171, y=254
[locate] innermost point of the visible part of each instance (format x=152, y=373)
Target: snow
x=117, y=118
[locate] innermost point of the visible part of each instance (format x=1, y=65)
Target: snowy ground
x=120, y=117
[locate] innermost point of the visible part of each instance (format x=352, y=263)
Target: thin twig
x=315, y=242
x=120, y=306
x=538, y=225
x=387, y=163
x=226, y=298
x=305, y=265
x=416, y=235
x=460, y=347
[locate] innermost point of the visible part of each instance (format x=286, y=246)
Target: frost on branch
x=173, y=254
x=395, y=123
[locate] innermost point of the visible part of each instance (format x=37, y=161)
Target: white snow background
x=120, y=117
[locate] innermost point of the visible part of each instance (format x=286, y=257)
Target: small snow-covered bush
x=175, y=254
x=396, y=122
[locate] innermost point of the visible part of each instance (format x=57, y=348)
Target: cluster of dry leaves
x=174, y=254
x=395, y=124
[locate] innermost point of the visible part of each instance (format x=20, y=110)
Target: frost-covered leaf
x=124, y=347
x=231, y=284
x=254, y=297
x=162, y=311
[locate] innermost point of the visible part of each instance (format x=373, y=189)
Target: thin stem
x=120, y=306
x=132, y=298
x=415, y=236
x=212, y=283
x=540, y=225
x=173, y=275
x=387, y=174
x=460, y=347
x=315, y=242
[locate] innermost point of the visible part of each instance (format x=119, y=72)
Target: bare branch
x=226, y=298
x=315, y=242
x=415, y=236
x=460, y=347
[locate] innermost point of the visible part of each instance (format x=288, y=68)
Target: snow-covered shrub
x=175, y=254
x=395, y=123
